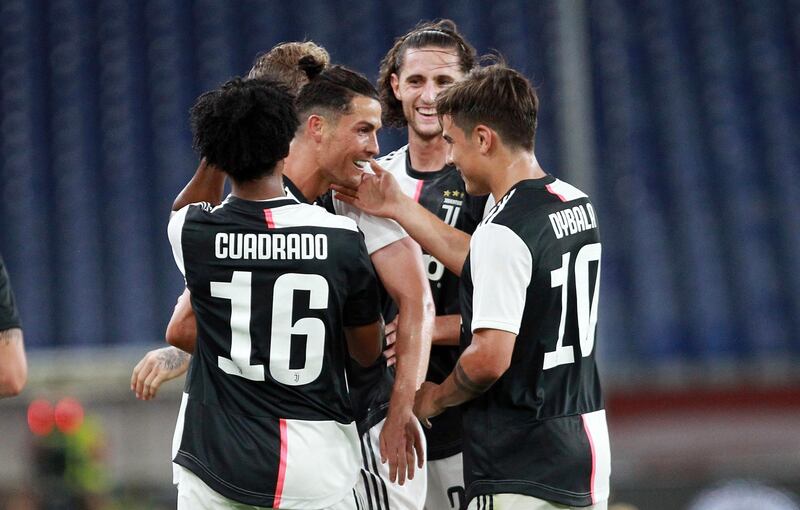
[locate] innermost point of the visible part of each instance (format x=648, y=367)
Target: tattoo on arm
x=10, y=335
x=172, y=358
x=466, y=384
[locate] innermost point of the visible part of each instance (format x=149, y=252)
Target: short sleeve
x=378, y=232
x=9, y=315
x=362, y=305
x=501, y=267
x=175, y=234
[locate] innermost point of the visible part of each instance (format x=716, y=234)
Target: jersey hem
x=499, y=325
x=10, y=325
x=373, y=418
x=445, y=451
x=529, y=488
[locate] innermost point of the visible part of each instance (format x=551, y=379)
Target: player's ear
x=395, y=81
x=315, y=126
x=485, y=137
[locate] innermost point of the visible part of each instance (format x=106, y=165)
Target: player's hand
x=391, y=335
x=157, y=367
x=378, y=194
x=400, y=441
x=425, y=406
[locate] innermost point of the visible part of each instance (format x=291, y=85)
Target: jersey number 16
x=239, y=291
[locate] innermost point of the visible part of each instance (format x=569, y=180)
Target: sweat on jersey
x=533, y=270
x=267, y=418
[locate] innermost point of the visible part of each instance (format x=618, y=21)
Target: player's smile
x=353, y=141
x=425, y=72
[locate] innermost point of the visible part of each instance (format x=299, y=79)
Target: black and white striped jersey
x=534, y=270
x=443, y=193
x=267, y=420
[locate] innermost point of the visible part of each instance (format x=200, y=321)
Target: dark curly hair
x=331, y=89
x=439, y=34
x=245, y=126
x=498, y=97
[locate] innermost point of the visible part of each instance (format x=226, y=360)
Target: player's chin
x=472, y=187
x=354, y=179
x=427, y=126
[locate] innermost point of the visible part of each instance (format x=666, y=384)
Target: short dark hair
x=282, y=62
x=244, y=127
x=498, y=97
x=332, y=89
x=438, y=34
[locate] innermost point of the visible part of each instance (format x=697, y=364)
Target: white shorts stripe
x=374, y=486
x=597, y=432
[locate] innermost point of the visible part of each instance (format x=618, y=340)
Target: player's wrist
x=398, y=205
x=401, y=401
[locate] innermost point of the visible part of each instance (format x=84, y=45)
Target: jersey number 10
x=587, y=308
x=239, y=291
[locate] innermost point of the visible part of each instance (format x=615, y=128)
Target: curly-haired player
x=260, y=414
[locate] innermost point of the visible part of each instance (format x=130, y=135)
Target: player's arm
x=13, y=365
x=481, y=364
x=400, y=269
x=365, y=342
x=161, y=365
x=380, y=195
x=157, y=367
x=182, y=327
x=206, y=185
x=447, y=330
x=399, y=266
x=501, y=267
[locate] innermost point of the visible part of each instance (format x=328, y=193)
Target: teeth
x=427, y=111
x=361, y=163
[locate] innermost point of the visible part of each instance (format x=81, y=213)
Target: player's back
x=268, y=420
x=543, y=420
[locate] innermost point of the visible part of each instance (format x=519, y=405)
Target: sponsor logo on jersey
x=293, y=246
x=573, y=220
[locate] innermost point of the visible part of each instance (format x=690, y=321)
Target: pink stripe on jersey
x=284, y=451
x=418, y=190
x=553, y=192
x=268, y=217
x=594, y=459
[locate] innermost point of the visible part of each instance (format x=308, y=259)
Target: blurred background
x=681, y=118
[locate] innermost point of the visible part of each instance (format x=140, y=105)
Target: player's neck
x=301, y=168
x=519, y=165
x=269, y=186
x=427, y=154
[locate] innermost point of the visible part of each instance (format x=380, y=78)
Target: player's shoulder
x=549, y=211
x=564, y=191
x=533, y=198
x=196, y=207
x=395, y=159
x=307, y=215
x=178, y=218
